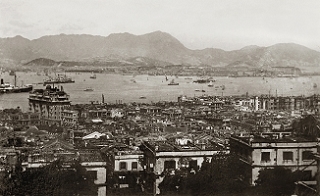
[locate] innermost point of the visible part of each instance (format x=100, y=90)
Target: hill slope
x=159, y=46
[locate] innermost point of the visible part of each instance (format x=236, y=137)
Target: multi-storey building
x=49, y=103
x=274, y=150
x=70, y=118
x=167, y=157
x=125, y=162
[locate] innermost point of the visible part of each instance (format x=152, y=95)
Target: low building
x=166, y=157
x=125, y=163
x=257, y=152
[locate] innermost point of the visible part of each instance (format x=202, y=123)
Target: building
x=257, y=152
x=70, y=118
x=125, y=162
x=91, y=160
x=167, y=157
x=49, y=103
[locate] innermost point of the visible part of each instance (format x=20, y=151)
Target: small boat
x=88, y=89
x=173, y=83
x=12, y=73
x=203, y=90
x=197, y=90
x=210, y=84
x=142, y=97
x=93, y=76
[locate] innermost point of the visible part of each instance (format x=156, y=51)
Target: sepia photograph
x=159, y=97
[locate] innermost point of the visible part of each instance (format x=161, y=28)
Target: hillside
x=156, y=48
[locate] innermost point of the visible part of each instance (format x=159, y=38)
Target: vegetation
x=277, y=181
x=223, y=176
x=220, y=176
x=53, y=179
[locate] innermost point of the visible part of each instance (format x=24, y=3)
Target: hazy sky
x=226, y=24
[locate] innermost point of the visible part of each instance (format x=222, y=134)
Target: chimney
x=1, y=81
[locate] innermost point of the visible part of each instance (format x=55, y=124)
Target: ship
x=10, y=88
x=93, y=76
x=210, y=84
x=173, y=83
x=58, y=79
x=88, y=89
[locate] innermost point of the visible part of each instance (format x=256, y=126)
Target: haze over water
x=128, y=88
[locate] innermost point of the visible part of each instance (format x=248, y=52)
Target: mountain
x=154, y=48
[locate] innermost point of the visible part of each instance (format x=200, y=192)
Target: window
x=193, y=164
x=92, y=174
x=123, y=165
x=306, y=175
x=265, y=156
x=134, y=165
x=170, y=164
x=287, y=156
x=307, y=155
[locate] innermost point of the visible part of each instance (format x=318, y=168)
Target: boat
x=58, y=79
x=142, y=97
x=10, y=88
x=173, y=83
x=201, y=81
x=93, y=76
x=12, y=73
x=210, y=84
x=88, y=89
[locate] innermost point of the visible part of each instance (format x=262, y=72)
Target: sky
x=225, y=24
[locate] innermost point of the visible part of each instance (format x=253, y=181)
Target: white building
x=275, y=150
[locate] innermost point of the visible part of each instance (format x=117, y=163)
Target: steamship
x=10, y=88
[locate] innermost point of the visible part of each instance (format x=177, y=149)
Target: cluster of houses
x=132, y=145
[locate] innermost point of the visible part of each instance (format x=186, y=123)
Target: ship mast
x=15, y=80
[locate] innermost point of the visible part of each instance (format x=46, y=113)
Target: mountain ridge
x=158, y=45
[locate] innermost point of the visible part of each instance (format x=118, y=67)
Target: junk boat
x=58, y=79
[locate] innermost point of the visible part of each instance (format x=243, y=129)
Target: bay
x=129, y=88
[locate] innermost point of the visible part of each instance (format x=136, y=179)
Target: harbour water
x=128, y=88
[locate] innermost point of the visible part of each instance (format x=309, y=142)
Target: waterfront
x=128, y=88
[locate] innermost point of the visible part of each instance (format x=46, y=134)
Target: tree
x=221, y=175
x=277, y=181
x=53, y=179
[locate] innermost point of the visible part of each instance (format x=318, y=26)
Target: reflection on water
x=128, y=88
